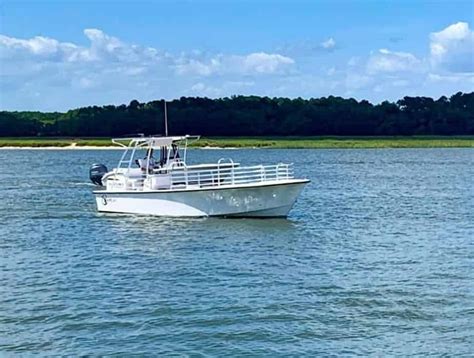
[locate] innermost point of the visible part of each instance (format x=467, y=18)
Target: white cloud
x=84, y=83
x=262, y=62
x=328, y=44
x=355, y=81
x=306, y=48
x=389, y=61
x=196, y=67
x=465, y=78
x=254, y=63
x=39, y=46
x=401, y=83
x=219, y=88
x=102, y=48
x=238, y=84
x=453, y=48
x=135, y=71
x=109, y=70
x=449, y=65
x=353, y=61
x=102, y=41
x=202, y=90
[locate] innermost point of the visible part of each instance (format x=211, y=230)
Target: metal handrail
x=181, y=176
x=231, y=175
x=219, y=169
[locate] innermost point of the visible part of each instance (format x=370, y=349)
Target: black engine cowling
x=96, y=172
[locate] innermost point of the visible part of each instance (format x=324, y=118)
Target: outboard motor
x=96, y=172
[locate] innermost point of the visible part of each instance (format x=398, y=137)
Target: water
x=376, y=258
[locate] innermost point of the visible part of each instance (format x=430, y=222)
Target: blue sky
x=57, y=55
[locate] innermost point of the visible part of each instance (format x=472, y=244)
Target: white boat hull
x=269, y=199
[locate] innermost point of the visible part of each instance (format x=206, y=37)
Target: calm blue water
x=375, y=259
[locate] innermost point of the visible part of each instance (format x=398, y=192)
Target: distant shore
x=325, y=142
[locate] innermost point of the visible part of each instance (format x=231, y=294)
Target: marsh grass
x=268, y=142
x=338, y=142
x=35, y=142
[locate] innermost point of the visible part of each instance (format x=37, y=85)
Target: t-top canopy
x=154, y=141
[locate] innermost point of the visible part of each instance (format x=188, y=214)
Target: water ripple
x=375, y=259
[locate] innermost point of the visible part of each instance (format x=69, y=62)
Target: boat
x=166, y=185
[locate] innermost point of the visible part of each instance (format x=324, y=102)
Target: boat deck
x=198, y=177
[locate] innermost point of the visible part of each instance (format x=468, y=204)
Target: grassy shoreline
x=263, y=142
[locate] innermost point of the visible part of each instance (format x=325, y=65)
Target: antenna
x=166, y=120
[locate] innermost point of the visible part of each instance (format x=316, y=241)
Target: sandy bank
x=88, y=147
x=69, y=147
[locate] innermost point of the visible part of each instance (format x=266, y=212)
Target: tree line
x=253, y=116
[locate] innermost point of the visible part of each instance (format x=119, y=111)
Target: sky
x=59, y=55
